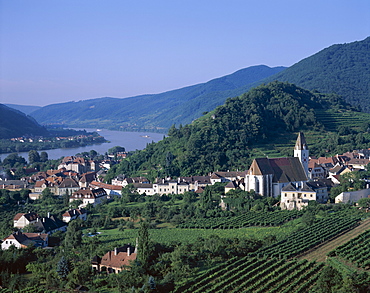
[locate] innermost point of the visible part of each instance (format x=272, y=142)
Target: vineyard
x=357, y=250
x=310, y=237
x=276, y=218
x=253, y=274
x=33, y=289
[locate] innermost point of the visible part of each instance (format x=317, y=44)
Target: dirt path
x=319, y=254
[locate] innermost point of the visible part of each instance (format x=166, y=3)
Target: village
x=295, y=181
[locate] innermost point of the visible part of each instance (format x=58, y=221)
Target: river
x=129, y=140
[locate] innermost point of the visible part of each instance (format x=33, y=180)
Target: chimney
x=128, y=250
x=48, y=214
x=115, y=251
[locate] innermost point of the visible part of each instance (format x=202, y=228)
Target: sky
x=60, y=51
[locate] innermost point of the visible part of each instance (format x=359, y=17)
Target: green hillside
x=262, y=122
x=14, y=123
x=23, y=108
x=343, y=69
x=153, y=112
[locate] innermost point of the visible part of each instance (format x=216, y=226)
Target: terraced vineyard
x=357, y=250
x=276, y=218
x=333, y=120
x=310, y=237
x=252, y=274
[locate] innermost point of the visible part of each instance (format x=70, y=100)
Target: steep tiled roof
x=283, y=169
x=68, y=182
x=29, y=216
x=89, y=193
x=96, y=184
x=119, y=257
x=74, y=213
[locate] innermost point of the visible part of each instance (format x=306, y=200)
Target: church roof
x=282, y=169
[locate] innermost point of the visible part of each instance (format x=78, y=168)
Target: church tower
x=301, y=151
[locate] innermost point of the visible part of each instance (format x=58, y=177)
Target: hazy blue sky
x=58, y=51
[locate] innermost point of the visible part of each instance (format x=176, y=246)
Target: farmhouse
x=115, y=261
x=23, y=240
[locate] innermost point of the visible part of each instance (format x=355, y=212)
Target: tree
x=364, y=202
x=308, y=218
x=116, y=149
x=44, y=156
x=144, y=249
x=330, y=280
x=64, y=267
x=73, y=235
x=33, y=157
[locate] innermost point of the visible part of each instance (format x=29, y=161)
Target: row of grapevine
x=275, y=218
x=33, y=289
x=253, y=274
x=357, y=250
x=309, y=237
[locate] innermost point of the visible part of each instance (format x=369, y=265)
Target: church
x=267, y=177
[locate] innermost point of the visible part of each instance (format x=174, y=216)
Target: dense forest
x=226, y=138
x=343, y=69
x=14, y=123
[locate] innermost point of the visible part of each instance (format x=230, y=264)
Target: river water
x=131, y=141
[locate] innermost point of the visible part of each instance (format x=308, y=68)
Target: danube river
x=129, y=140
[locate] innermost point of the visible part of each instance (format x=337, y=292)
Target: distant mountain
x=154, y=112
x=25, y=109
x=14, y=123
x=343, y=69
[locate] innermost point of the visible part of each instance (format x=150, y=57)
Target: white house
x=22, y=220
x=23, y=240
x=89, y=195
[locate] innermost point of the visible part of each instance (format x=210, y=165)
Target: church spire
x=301, y=143
x=301, y=151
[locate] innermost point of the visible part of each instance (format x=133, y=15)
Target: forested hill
x=14, y=123
x=229, y=136
x=343, y=69
x=154, y=112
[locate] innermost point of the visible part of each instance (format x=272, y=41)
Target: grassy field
x=113, y=237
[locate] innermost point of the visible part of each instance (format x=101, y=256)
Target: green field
x=113, y=237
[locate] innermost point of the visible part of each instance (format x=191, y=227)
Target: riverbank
x=131, y=141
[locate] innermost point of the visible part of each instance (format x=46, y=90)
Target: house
x=352, y=196
x=23, y=240
x=50, y=225
x=67, y=186
x=295, y=197
x=89, y=196
x=196, y=182
x=226, y=176
x=110, y=189
x=121, y=180
x=316, y=171
x=162, y=188
x=74, y=214
x=232, y=185
x=22, y=220
x=146, y=188
x=115, y=261
x=268, y=176
x=87, y=178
